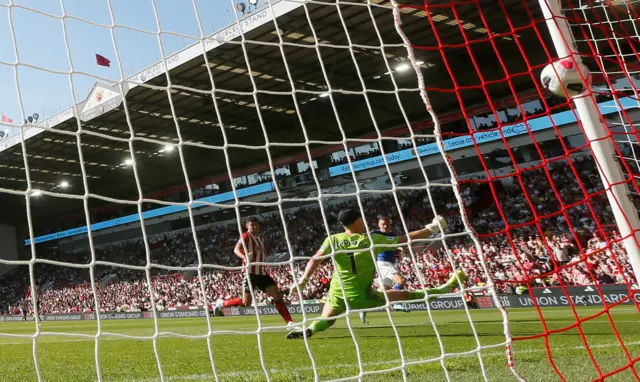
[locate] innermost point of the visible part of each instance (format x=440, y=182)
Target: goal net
x=145, y=149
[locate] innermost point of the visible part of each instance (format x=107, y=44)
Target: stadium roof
x=107, y=126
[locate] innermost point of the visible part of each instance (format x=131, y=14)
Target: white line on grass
x=27, y=338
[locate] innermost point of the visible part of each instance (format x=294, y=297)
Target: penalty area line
x=46, y=338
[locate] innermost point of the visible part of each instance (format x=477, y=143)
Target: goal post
x=599, y=138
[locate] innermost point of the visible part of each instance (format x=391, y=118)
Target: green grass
x=67, y=358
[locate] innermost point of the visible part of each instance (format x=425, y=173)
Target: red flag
x=102, y=61
x=6, y=119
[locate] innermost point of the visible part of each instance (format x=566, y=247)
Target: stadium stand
x=65, y=289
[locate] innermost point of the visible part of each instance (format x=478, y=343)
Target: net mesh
x=318, y=78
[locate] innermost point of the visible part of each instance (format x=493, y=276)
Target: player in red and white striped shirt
x=250, y=248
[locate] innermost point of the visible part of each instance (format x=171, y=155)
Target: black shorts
x=261, y=282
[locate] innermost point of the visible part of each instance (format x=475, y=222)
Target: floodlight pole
x=610, y=172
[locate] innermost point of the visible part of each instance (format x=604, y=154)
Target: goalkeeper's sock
x=453, y=283
x=416, y=295
x=232, y=302
x=320, y=325
x=284, y=312
x=419, y=294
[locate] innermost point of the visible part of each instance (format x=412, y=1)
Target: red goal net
x=558, y=224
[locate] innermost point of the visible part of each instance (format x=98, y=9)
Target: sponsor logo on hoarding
x=544, y=297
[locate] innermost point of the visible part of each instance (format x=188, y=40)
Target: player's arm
x=239, y=249
x=428, y=230
x=312, y=266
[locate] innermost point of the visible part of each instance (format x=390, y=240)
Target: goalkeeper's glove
x=302, y=284
x=434, y=227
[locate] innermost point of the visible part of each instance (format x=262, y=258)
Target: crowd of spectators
x=545, y=229
x=356, y=156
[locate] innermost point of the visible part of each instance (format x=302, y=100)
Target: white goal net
x=167, y=163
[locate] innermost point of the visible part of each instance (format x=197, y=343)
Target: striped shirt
x=254, y=246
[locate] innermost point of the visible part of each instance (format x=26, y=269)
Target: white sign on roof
x=57, y=119
x=99, y=95
x=249, y=23
x=32, y=131
x=101, y=100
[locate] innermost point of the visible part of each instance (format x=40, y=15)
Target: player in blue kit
x=386, y=261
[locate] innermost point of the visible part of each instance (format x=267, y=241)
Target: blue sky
x=40, y=43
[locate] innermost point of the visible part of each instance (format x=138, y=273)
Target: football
x=564, y=75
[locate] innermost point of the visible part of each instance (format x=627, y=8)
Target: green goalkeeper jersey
x=356, y=269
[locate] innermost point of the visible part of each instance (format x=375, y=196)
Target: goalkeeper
x=356, y=269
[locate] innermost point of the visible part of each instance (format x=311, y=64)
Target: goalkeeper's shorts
x=369, y=298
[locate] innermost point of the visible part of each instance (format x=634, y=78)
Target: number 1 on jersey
x=352, y=257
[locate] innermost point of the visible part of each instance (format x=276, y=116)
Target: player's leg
x=271, y=289
x=449, y=286
x=399, y=283
x=392, y=279
x=399, y=280
x=39, y=312
x=333, y=307
x=374, y=298
x=386, y=284
x=245, y=300
x=363, y=315
x=471, y=301
x=386, y=271
x=370, y=299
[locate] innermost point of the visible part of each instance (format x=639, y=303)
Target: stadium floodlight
x=324, y=95
x=402, y=67
x=36, y=192
x=167, y=149
x=128, y=162
x=241, y=7
x=64, y=184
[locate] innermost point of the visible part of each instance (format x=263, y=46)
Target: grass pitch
x=236, y=355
